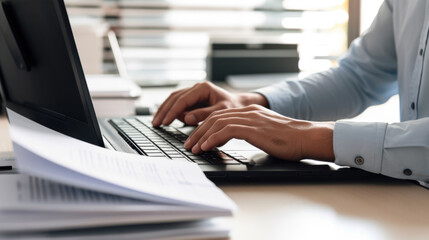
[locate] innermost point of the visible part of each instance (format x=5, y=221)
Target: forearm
x=331, y=95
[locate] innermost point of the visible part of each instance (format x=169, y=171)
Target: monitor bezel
x=88, y=131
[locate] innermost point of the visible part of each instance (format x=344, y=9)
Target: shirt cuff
x=359, y=145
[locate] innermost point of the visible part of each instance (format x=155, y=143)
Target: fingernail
x=154, y=121
x=196, y=149
x=191, y=119
x=187, y=143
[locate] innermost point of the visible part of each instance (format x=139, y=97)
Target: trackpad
x=238, y=145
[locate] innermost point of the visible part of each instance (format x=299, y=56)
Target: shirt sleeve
x=399, y=150
x=366, y=76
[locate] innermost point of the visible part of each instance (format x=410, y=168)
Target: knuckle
x=254, y=114
x=180, y=103
x=202, y=85
x=205, y=84
x=213, y=114
x=222, y=105
x=180, y=99
x=176, y=93
x=209, y=117
x=217, y=112
x=248, y=108
x=220, y=122
x=230, y=128
x=212, y=120
x=255, y=107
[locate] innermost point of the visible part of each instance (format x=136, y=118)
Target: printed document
x=45, y=153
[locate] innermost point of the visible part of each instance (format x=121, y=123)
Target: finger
x=196, y=135
x=237, y=112
x=165, y=106
x=227, y=133
x=198, y=115
x=184, y=101
x=232, y=110
x=220, y=124
x=250, y=111
x=182, y=116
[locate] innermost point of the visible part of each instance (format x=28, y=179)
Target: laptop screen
x=40, y=72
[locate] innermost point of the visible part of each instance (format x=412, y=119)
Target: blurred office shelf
x=171, y=38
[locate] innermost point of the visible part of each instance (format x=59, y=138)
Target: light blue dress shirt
x=389, y=58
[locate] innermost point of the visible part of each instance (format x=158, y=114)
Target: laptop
x=41, y=78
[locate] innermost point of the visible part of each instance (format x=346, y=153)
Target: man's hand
x=193, y=105
x=275, y=134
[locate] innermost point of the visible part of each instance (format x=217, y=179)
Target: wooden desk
x=330, y=211
x=321, y=210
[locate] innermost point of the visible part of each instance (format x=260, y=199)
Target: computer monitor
x=41, y=76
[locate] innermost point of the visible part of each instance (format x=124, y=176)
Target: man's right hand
x=193, y=105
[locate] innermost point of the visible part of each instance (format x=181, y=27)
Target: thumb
x=200, y=114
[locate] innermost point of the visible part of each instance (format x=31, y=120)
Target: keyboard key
x=152, y=140
x=219, y=161
x=145, y=144
x=150, y=149
x=202, y=162
x=166, y=149
x=168, y=128
x=155, y=154
x=157, y=139
x=196, y=157
x=140, y=138
x=163, y=145
x=172, y=152
x=181, y=159
x=153, y=151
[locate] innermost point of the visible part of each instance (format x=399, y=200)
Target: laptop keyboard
x=167, y=141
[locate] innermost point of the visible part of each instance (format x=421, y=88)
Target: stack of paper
x=213, y=228
x=67, y=183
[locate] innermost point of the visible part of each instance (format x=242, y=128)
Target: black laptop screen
x=40, y=72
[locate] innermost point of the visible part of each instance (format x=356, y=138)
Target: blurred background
x=170, y=39
x=165, y=42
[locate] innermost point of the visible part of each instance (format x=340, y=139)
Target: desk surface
x=321, y=210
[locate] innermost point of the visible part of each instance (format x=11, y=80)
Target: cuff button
x=359, y=160
x=407, y=172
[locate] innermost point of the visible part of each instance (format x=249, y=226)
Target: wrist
x=247, y=99
x=319, y=142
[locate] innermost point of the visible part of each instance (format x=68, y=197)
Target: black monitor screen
x=40, y=72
